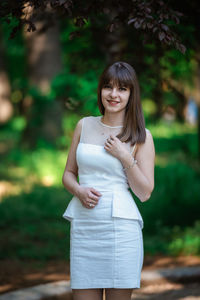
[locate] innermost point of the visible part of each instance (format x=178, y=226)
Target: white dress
x=106, y=242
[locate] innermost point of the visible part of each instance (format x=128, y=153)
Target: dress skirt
x=105, y=251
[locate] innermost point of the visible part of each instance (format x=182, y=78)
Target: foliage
x=35, y=197
x=175, y=197
x=32, y=226
x=83, y=59
x=176, y=193
x=14, y=56
x=152, y=18
x=185, y=241
x=174, y=241
x=31, y=215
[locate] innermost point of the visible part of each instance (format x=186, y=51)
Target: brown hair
x=123, y=74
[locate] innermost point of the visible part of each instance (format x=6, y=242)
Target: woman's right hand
x=88, y=195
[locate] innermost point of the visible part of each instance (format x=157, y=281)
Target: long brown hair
x=122, y=74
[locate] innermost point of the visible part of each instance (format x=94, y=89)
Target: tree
x=6, y=107
x=44, y=63
x=153, y=18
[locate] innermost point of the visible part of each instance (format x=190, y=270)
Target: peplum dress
x=106, y=241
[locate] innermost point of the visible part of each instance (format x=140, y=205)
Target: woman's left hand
x=115, y=147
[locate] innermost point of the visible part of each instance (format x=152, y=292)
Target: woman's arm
x=141, y=175
x=69, y=178
x=87, y=195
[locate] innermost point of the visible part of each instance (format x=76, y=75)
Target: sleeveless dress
x=106, y=241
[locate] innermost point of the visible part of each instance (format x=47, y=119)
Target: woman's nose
x=114, y=92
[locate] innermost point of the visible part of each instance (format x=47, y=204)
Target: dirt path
x=168, y=291
x=157, y=291
x=15, y=275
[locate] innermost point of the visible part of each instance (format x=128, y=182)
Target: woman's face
x=114, y=98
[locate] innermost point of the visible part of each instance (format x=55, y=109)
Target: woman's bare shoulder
x=148, y=141
x=148, y=134
x=80, y=123
x=147, y=130
x=77, y=130
x=147, y=147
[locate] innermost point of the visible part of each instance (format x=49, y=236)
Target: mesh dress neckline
x=100, y=120
x=95, y=132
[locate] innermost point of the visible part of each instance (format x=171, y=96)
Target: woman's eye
x=122, y=89
x=107, y=86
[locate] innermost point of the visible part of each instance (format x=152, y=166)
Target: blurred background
x=48, y=81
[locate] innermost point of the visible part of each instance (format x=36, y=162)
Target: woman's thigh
x=118, y=294
x=89, y=294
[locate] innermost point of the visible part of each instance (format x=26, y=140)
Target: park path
x=166, y=284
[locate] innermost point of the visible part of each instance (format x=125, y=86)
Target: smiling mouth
x=112, y=101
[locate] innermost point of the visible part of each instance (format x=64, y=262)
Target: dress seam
x=140, y=251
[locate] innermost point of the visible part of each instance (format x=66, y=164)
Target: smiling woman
x=106, y=242
x=114, y=95
x=119, y=93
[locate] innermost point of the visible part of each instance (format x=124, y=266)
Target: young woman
x=111, y=155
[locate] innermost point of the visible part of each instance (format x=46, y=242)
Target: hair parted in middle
x=122, y=74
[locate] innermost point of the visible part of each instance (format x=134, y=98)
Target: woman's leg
x=87, y=294
x=118, y=294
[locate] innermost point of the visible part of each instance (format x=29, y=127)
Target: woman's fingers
x=95, y=192
x=92, y=198
x=90, y=203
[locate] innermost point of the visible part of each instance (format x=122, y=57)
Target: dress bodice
x=99, y=169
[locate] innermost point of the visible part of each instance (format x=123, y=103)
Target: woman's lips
x=112, y=102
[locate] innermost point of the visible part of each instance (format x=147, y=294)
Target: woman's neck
x=113, y=119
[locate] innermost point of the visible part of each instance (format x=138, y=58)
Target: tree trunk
x=112, y=43
x=181, y=96
x=6, y=107
x=44, y=60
